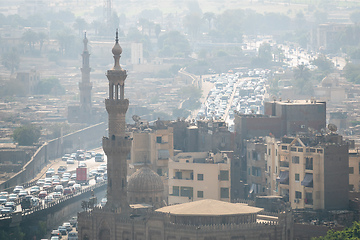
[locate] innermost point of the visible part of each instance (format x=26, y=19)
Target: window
x=300, y=149
x=175, y=191
x=351, y=170
x=200, y=194
x=200, y=177
x=255, y=156
x=269, y=151
x=319, y=151
x=293, y=149
x=158, y=139
x=224, y=175
x=295, y=159
x=256, y=171
x=309, y=163
x=224, y=192
x=163, y=154
x=276, y=152
x=351, y=187
x=178, y=175
x=297, y=195
x=284, y=147
x=159, y=171
x=297, y=177
x=186, y=192
x=308, y=198
x=312, y=150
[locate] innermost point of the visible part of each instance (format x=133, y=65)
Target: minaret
x=85, y=85
x=118, y=145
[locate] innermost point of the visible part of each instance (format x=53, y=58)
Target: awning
x=252, y=189
x=283, y=177
x=308, y=180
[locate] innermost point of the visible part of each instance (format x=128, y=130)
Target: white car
x=70, y=161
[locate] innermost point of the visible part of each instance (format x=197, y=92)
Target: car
x=62, y=230
x=23, y=193
x=64, y=159
x=64, y=181
x=56, y=182
x=13, y=197
x=77, y=187
x=59, y=188
x=99, y=179
x=55, y=233
x=55, y=238
x=67, y=174
x=70, y=161
x=73, y=236
x=42, y=194
x=6, y=210
x=68, y=191
x=82, y=165
x=99, y=157
x=73, y=176
x=57, y=195
x=3, y=199
x=88, y=155
x=68, y=226
x=55, y=177
x=71, y=183
x=73, y=221
x=10, y=204
x=103, y=202
x=47, y=186
x=103, y=165
x=17, y=189
x=62, y=169
x=34, y=189
x=49, y=199
x=101, y=169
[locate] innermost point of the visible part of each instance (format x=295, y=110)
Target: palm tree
x=30, y=37
x=11, y=59
x=209, y=16
x=42, y=37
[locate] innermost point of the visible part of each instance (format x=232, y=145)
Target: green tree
x=193, y=22
x=42, y=37
x=351, y=233
x=355, y=17
x=173, y=44
x=11, y=59
x=31, y=38
x=209, y=17
x=26, y=135
x=66, y=41
x=352, y=72
x=80, y=25
x=323, y=64
x=50, y=86
x=302, y=81
x=157, y=30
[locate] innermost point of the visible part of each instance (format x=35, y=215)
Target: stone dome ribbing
x=145, y=180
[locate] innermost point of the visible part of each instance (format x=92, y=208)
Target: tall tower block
x=117, y=145
x=85, y=85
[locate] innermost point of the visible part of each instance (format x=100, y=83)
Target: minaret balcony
x=116, y=144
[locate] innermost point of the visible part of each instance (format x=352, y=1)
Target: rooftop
x=209, y=207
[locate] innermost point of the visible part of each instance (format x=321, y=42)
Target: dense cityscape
x=238, y=120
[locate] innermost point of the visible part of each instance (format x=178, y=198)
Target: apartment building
x=310, y=171
x=199, y=175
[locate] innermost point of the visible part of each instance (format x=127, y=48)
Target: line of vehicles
x=68, y=229
x=54, y=185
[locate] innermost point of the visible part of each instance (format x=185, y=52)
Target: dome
x=145, y=180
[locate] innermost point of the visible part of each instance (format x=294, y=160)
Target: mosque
x=136, y=209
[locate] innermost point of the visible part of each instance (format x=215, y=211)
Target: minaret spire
x=85, y=85
x=117, y=145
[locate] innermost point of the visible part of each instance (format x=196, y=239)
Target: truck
x=82, y=176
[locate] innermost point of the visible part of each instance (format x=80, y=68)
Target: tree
x=323, y=64
x=302, y=82
x=42, y=37
x=50, y=86
x=351, y=233
x=157, y=30
x=80, y=24
x=173, y=44
x=66, y=40
x=193, y=22
x=31, y=38
x=11, y=60
x=26, y=135
x=355, y=17
x=352, y=72
x=209, y=16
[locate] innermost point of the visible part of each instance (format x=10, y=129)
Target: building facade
x=199, y=175
x=310, y=172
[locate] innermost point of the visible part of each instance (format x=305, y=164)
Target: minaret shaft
x=85, y=86
x=117, y=145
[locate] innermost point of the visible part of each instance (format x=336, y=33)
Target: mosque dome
x=145, y=180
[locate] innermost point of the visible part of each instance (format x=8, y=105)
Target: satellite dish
x=332, y=127
x=136, y=118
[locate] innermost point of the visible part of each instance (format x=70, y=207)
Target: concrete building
x=310, y=171
x=28, y=81
x=137, y=53
x=203, y=220
x=199, y=175
x=354, y=170
x=256, y=165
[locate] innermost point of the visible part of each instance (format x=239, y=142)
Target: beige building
x=311, y=172
x=154, y=147
x=354, y=170
x=199, y=175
